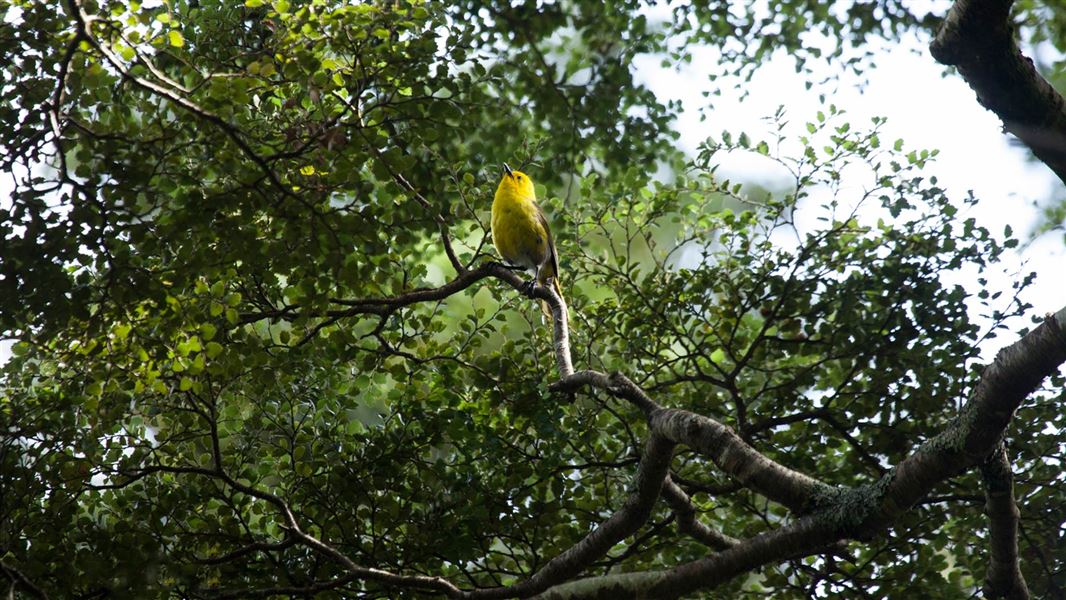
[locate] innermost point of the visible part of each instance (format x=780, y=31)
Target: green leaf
x=121, y=331
x=718, y=356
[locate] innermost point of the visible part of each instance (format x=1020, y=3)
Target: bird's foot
x=528, y=287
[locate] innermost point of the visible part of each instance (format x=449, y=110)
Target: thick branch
x=977, y=38
x=734, y=456
x=1016, y=372
x=1004, y=578
x=861, y=512
x=801, y=537
x=712, y=439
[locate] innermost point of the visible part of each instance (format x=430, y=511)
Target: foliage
x=209, y=196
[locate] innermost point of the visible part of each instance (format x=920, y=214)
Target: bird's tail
x=546, y=308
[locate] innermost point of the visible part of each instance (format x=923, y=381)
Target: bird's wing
x=553, y=255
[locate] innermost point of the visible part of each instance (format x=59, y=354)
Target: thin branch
x=82, y=31
x=245, y=550
x=18, y=578
x=687, y=522
x=714, y=489
x=306, y=590
x=466, y=278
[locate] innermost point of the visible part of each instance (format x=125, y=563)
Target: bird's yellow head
x=516, y=184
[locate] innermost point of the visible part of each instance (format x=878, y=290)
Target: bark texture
x=977, y=38
x=832, y=515
x=1004, y=578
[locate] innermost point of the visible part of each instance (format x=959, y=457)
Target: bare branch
x=712, y=439
x=653, y=471
x=977, y=38
x=616, y=383
x=733, y=455
x=560, y=330
x=1004, y=578
x=388, y=304
x=687, y=522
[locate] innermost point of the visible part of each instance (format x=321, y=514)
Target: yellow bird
x=520, y=232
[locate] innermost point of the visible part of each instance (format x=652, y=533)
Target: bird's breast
x=517, y=232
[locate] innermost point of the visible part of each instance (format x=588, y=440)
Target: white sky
x=924, y=108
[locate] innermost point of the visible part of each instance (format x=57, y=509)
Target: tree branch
x=83, y=21
x=687, y=522
x=647, y=484
x=858, y=512
x=977, y=38
x=1016, y=372
x=798, y=538
x=18, y=578
x=1004, y=578
x=387, y=305
x=560, y=329
x=712, y=439
x=733, y=455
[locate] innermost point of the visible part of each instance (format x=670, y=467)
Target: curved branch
x=1016, y=372
x=710, y=438
x=648, y=482
x=804, y=536
x=466, y=278
x=616, y=383
x=977, y=37
x=733, y=455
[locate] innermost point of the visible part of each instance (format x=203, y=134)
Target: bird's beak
x=507, y=169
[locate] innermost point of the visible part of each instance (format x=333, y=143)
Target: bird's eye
x=519, y=178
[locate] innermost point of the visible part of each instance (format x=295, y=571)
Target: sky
x=926, y=106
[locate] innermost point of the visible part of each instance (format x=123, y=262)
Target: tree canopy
x=263, y=347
